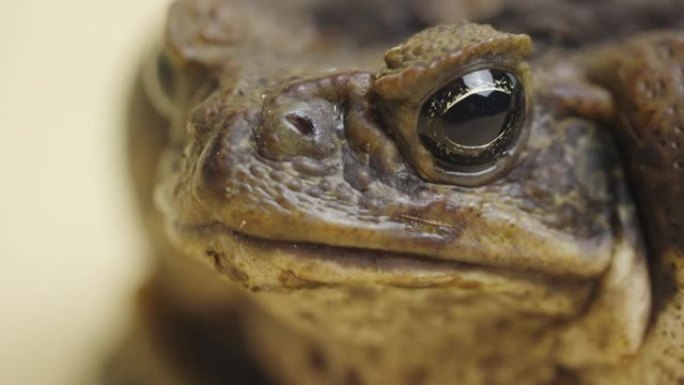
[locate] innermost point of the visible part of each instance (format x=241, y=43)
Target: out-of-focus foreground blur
x=71, y=247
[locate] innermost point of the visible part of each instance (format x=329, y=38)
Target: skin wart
x=284, y=158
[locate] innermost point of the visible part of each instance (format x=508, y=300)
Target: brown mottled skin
x=282, y=155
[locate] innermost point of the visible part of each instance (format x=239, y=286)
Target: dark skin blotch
x=317, y=360
x=417, y=376
x=352, y=377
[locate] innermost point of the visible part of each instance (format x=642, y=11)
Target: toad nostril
x=292, y=128
x=302, y=124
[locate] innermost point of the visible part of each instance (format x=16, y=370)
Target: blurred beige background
x=71, y=249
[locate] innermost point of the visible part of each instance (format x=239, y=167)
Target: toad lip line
x=380, y=259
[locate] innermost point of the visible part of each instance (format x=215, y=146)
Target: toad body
x=338, y=203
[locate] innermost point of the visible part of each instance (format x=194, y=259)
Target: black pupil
x=473, y=119
x=478, y=119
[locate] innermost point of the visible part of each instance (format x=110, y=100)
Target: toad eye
x=472, y=125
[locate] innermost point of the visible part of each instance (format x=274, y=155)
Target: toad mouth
x=261, y=263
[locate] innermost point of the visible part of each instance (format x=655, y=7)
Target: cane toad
x=379, y=208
